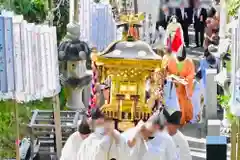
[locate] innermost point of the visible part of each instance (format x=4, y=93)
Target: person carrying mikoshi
x=73, y=143
x=182, y=70
x=149, y=140
x=105, y=143
x=173, y=123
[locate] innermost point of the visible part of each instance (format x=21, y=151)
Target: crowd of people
x=204, y=20
x=158, y=138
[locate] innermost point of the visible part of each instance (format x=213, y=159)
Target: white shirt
x=161, y=147
x=99, y=147
x=71, y=147
x=166, y=16
x=182, y=12
x=182, y=146
x=199, y=12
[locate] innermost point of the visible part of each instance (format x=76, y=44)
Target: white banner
x=28, y=60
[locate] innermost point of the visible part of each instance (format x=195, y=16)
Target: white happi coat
x=100, y=147
x=182, y=146
x=71, y=147
x=161, y=147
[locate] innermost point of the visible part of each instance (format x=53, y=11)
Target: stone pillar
x=71, y=11
x=86, y=94
x=211, y=95
x=213, y=128
x=75, y=100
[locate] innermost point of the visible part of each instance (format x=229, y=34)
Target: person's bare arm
x=132, y=142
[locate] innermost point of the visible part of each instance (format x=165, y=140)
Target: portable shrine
x=124, y=68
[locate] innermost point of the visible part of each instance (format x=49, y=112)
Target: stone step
x=200, y=143
x=195, y=134
x=198, y=148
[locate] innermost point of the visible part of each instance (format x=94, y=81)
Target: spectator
x=164, y=18
x=199, y=22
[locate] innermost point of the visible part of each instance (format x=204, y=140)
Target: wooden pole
x=76, y=9
x=56, y=103
x=17, y=131
x=57, y=122
x=238, y=139
x=233, y=140
x=71, y=11
x=135, y=6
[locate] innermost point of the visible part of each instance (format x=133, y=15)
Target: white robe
x=99, y=147
x=71, y=147
x=161, y=147
x=183, y=150
x=140, y=148
x=170, y=96
x=196, y=101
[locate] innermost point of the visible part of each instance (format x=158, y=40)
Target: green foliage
x=34, y=11
x=233, y=6
x=61, y=20
x=224, y=102
x=8, y=123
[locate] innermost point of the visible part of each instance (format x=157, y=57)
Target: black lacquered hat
x=84, y=127
x=173, y=117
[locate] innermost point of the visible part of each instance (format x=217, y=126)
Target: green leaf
x=233, y=6
x=8, y=123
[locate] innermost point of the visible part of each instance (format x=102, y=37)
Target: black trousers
x=186, y=36
x=199, y=31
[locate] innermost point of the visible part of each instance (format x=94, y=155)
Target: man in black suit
x=199, y=22
x=163, y=18
x=184, y=16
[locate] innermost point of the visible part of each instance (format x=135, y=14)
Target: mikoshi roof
x=130, y=50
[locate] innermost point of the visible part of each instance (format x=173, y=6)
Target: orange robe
x=165, y=59
x=186, y=71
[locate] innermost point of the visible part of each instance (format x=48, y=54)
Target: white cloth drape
x=97, y=25
x=150, y=7
x=29, y=59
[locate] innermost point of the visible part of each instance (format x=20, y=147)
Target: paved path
x=194, y=53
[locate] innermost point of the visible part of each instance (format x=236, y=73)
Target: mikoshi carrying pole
x=56, y=101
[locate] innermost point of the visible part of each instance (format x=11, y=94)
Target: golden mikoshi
x=126, y=68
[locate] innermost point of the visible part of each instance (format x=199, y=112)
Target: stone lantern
x=73, y=57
